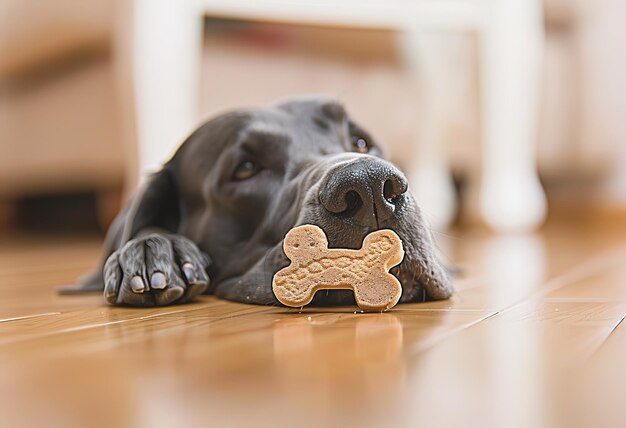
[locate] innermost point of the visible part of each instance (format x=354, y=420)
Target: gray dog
x=213, y=219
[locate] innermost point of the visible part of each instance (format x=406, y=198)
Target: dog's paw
x=155, y=270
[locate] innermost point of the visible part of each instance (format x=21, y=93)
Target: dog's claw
x=110, y=296
x=137, y=285
x=171, y=294
x=158, y=281
x=190, y=272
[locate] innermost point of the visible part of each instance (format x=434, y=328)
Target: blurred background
x=94, y=94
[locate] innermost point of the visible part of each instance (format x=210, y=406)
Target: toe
x=112, y=275
x=168, y=295
x=189, y=272
x=110, y=291
x=196, y=279
x=135, y=299
x=193, y=264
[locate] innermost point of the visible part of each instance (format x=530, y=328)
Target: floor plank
x=533, y=336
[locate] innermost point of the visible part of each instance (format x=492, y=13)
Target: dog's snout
x=367, y=191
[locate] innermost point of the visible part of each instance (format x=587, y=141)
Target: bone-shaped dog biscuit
x=314, y=267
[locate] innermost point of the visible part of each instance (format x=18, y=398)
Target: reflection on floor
x=534, y=337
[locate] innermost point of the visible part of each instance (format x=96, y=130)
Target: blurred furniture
x=58, y=128
x=160, y=44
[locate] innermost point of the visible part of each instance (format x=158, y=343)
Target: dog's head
x=245, y=178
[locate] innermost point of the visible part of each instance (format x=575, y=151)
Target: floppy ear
x=156, y=206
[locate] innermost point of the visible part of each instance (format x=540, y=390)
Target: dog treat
x=316, y=267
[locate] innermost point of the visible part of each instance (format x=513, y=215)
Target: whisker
x=447, y=235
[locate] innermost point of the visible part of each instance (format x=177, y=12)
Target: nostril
x=390, y=193
x=353, y=203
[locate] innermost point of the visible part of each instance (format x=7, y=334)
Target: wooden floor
x=534, y=337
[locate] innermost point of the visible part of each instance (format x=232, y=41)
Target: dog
x=212, y=220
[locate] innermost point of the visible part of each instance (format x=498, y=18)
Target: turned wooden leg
x=426, y=53
x=157, y=49
x=511, y=51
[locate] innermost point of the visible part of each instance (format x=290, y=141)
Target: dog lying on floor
x=213, y=219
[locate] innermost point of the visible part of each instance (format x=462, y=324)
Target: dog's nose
x=367, y=191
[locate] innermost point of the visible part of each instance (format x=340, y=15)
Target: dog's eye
x=245, y=170
x=360, y=144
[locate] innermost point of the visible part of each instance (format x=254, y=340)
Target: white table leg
x=158, y=53
x=511, y=52
x=429, y=176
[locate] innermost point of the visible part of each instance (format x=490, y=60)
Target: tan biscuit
x=315, y=267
